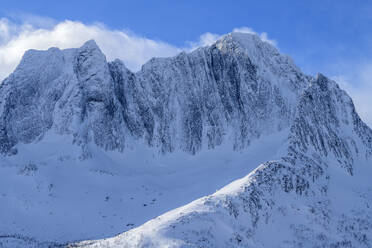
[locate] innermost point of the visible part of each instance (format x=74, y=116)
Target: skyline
x=320, y=36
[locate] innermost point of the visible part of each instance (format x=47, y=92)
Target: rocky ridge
x=237, y=90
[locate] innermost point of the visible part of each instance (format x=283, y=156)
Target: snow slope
x=48, y=195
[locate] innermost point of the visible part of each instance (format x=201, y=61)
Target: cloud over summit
x=40, y=33
x=134, y=50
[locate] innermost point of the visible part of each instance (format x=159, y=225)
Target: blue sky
x=333, y=37
x=320, y=32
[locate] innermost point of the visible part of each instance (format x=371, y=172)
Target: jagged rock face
x=227, y=89
x=69, y=92
x=292, y=202
x=233, y=91
x=96, y=110
x=328, y=124
x=25, y=113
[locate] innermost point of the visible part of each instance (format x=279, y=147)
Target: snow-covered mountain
x=92, y=149
x=238, y=89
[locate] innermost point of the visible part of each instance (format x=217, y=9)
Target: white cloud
x=205, y=39
x=131, y=48
x=208, y=39
x=263, y=35
x=358, y=84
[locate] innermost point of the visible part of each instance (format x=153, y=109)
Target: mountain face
x=189, y=102
x=318, y=194
x=70, y=92
x=240, y=94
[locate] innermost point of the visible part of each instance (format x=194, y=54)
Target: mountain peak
x=260, y=51
x=246, y=41
x=90, y=44
x=324, y=83
x=91, y=60
x=239, y=36
x=92, y=50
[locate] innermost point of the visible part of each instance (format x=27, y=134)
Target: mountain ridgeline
x=235, y=90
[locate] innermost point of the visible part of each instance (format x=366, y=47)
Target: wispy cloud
x=133, y=49
x=208, y=38
x=357, y=81
x=263, y=35
x=205, y=39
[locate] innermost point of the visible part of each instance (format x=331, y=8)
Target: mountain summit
x=103, y=150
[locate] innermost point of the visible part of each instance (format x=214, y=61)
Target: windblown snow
x=90, y=150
